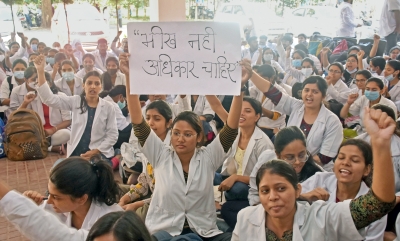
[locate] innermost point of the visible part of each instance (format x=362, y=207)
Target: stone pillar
x=167, y=10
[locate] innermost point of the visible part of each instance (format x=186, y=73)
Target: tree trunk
x=47, y=13
x=116, y=9
x=137, y=12
x=66, y=18
x=12, y=14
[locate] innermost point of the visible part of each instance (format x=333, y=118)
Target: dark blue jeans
x=239, y=190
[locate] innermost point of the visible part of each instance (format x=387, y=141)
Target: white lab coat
x=247, y=55
x=320, y=221
x=339, y=92
x=395, y=95
x=266, y=156
x=174, y=199
x=122, y=122
x=357, y=109
x=81, y=73
x=120, y=80
x=35, y=222
x=395, y=149
x=287, y=88
x=56, y=116
x=328, y=181
x=267, y=104
x=98, y=62
x=258, y=143
x=5, y=88
x=292, y=75
x=325, y=135
x=63, y=86
x=104, y=132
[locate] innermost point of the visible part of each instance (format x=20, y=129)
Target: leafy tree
x=10, y=3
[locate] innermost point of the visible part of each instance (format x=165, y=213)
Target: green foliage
x=9, y=2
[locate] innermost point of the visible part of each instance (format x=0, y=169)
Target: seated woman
x=88, y=65
x=181, y=104
x=88, y=110
x=298, y=68
x=349, y=180
x=271, y=120
x=184, y=169
x=159, y=118
x=55, y=121
x=392, y=76
x=290, y=146
x=76, y=199
x=351, y=68
x=269, y=57
x=117, y=78
x=337, y=89
x=322, y=128
x=18, y=69
x=372, y=95
x=281, y=217
x=69, y=84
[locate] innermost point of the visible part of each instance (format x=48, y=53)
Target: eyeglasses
x=301, y=158
x=185, y=136
x=335, y=71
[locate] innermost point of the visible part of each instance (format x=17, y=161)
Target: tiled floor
x=22, y=176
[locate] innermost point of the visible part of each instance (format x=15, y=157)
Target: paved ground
x=22, y=176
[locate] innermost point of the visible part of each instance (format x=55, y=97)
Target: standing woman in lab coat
x=349, y=180
x=88, y=110
x=69, y=83
x=290, y=146
x=322, y=128
x=392, y=76
x=183, y=200
x=79, y=193
x=280, y=216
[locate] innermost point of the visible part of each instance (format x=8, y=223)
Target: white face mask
x=33, y=85
x=351, y=71
x=307, y=72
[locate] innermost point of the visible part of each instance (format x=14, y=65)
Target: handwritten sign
x=195, y=58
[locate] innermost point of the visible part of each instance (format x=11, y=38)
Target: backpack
x=2, y=152
x=25, y=138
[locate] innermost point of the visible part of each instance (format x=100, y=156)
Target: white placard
x=196, y=58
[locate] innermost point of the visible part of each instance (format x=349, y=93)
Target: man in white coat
x=101, y=54
x=252, y=52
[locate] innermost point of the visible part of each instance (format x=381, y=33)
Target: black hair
x=124, y=226
x=286, y=136
x=337, y=64
x=106, y=81
x=394, y=64
x=113, y=59
x=280, y=168
x=266, y=70
x=76, y=177
x=69, y=62
x=60, y=57
x=103, y=94
x=19, y=61
x=41, y=43
x=274, y=55
x=390, y=112
x=53, y=50
x=193, y=120
x=301, y=47
x=379, y=62
x=364, y=73
x=52, y=86
x=287, y=38
x=295, y=89
x=353, y=48
x=321, y=83
x=308, y=60
x=12, y=44
x=118, y=90
x=378, y=81
x=84, y=105
x=252, y=38
x=162, y=107
x=352, y=56
x=302, y=35
x=300, y=52
x=46, y=49
x=31, y=70
x=91, y=56
x=30, y=41
x=255, y=104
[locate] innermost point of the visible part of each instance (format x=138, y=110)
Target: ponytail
x=76, y=177
x=84, y=105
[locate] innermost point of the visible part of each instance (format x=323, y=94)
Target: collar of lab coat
x=193, y=165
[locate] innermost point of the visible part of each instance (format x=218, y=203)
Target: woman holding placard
x=183, y=201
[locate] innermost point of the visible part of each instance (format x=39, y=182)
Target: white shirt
x=5, y=88
x=347, y=21
x=64, y=87
x=328, y=181
x=395, y=95
x=320, y=221
x=174, y=199
x=339, y=92
x=25, y=9
x=122, y=123
x=81, y=73
x=258, y=143
x=357, y=108
x=247, y=55
x=104, y=132
x=388, y=21
x=98, y=59
x=267, y=104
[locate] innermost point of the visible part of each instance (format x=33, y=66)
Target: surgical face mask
x=50, y=60
x=32, y=85
x=121, y=105
x=372, y=95
x=307, y=72
x=351, y=71
x=88, y=67
x=68, y=76
x=34, y=47
x=112, y=71
x=262, y=46
x=372, y=71
x=389, y=77
x=268, y=57
x=296, y=63
x=19, y=74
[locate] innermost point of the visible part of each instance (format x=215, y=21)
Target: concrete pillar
x=167, y=10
